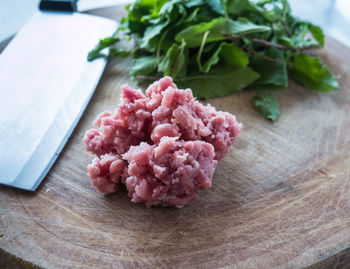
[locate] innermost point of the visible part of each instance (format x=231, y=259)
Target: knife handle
x=58, y=5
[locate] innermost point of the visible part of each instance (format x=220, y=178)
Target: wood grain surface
x=280, y=199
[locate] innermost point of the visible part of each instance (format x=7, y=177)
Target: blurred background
x=332, y=15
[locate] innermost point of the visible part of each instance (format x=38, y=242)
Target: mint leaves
x=193, y=35
x=220, y=81
x=217, y=47
x=174, y=62
x=312, y=73
x=267, y=106
x=144, y=65
x=272, y=70
x=102, y=44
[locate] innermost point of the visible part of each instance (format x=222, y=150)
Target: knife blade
x=45, y=85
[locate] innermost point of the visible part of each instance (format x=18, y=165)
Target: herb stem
x=267, y=43
x=285, y=26
x=265, y=57
x=160, y=46
x=205, y=36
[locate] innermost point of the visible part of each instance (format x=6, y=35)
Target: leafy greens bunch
x=217, y=47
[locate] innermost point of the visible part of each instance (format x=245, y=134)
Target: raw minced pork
x=163, y=146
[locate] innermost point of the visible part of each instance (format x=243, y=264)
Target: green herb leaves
x=144, y=65
x=102, y=44
x=312, y=73
x=174, y=62
x=232, y=55
x=272, y=70
x=317, y=33
x=267, y=106
x=193, y=35
x=218, y=82
x=217, y=47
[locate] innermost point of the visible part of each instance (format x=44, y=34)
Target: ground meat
x=164, y=146
x=105, y=172
x=170, y=172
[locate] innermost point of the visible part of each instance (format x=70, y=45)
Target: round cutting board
x=280, y=198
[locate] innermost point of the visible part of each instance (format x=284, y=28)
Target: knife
x=45, y=85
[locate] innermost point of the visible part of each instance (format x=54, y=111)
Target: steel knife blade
x=45, y=85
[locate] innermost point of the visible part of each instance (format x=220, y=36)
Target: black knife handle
x=58, y=5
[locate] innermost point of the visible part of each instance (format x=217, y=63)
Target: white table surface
x=332, y=15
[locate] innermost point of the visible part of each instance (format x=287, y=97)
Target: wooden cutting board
x=280, y=199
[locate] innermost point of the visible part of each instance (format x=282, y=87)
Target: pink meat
x=163, y=146
x=170, y=172
x=105, y=172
